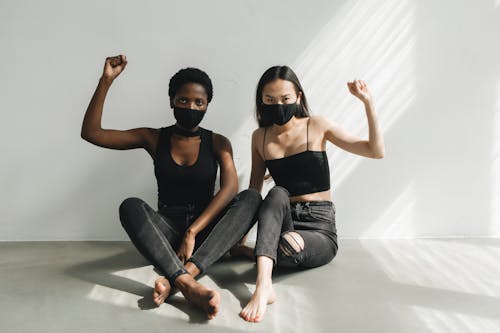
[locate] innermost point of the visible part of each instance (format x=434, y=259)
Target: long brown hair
x=284, y=73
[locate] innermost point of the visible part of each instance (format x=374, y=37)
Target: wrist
x=106, y=80
x=368, y=103
x=190, y=233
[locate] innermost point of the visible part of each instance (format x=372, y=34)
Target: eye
x=182, y=100
x=200, y=102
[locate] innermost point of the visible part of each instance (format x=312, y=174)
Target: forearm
x=375, y=138
x=93, y=115
x=218, y=203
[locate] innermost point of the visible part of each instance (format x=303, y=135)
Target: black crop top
x=181, y=185
x=302, y=173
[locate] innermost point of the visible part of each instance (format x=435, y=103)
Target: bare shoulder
x=151, y=132
x=320, y=122
x=151, y=138
x=220, y=142
x=258, y=134
x=150, y=135
x=323, y=124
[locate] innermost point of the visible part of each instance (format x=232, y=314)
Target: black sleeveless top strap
x=302, y=173
x=182, y=185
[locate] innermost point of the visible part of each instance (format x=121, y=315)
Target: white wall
x=434, y=68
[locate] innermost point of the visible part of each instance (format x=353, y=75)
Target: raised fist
x=359, y=89
x=114, y=66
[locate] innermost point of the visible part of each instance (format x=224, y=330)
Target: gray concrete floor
x=432, y=285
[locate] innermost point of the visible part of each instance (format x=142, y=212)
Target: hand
x=186, y=248
x=114, y=66
x=359, y=89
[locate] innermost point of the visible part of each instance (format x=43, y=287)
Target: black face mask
x=188, y=118
x=279, y=114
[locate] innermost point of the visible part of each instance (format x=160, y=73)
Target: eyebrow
x=280, y=96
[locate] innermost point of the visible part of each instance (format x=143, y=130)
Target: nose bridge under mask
x=188, y=118
x=279, y=114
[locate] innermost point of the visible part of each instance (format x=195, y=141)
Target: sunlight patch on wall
x=372, y=41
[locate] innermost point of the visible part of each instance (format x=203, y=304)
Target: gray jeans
x=158, y=234
x=314, y=221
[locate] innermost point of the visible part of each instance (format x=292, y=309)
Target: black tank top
x=182, y=185
x=302, y=173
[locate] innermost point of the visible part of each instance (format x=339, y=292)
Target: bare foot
x=162, y=290
x=263, y=295
x=200, y=295
x=242, y=250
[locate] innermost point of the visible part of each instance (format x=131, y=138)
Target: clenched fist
x=114, y=66
x=359, y=89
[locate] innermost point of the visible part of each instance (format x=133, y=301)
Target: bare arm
x=114, y=139
x=228, y=189
x=257, y=173
x=374, y=146
x=258, y=164
x=228, y=185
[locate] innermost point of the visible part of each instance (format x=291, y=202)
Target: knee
x=250, y=195
x=128, y=209
x=290, y=248
x=291, y=242
x=278, y=193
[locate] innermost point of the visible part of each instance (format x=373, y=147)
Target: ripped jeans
x=158, y=234
x=314, y=221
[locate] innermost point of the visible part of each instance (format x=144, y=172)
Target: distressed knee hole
x=291, y=243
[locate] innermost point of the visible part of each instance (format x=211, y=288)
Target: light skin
x=184, y=151
x=290, y=139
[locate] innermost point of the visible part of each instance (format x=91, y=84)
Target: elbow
x=89, y=135
x=379, y=154
x=376, y=151
x=86, y=136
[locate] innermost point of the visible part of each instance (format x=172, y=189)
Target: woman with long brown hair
x=296, y=221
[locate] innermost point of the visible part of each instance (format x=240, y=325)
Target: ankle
x=192, y=269
x=184, y=281
x=264, y=283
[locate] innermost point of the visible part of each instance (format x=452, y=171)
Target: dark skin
x=184, y=151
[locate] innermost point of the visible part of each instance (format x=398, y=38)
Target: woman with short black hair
x=192, y=227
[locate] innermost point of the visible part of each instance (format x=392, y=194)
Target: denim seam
x=156, y=229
